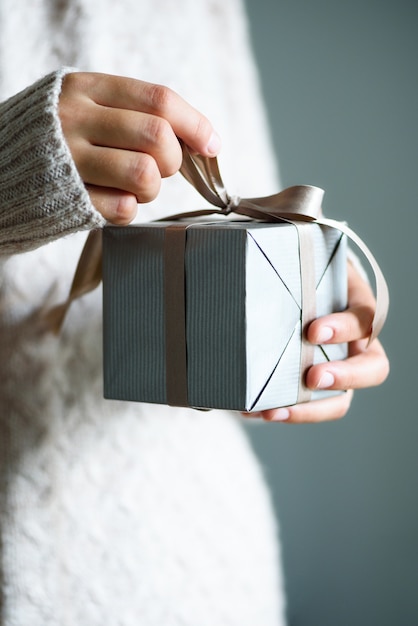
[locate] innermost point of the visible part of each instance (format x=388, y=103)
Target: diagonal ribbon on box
x=299, y=205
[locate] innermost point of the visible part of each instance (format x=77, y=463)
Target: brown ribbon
x=87, y=277
x=298, y=205
x=175, y=316
x=302, y=204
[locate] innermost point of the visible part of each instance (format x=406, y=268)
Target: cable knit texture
x=117, y=514
x=39, y=184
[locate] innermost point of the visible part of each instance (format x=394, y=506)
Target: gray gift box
x=241, y=297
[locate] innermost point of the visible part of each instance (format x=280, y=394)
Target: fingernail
x=214, y=144
x=326, y=381
x=325, y=334
x=280, y=415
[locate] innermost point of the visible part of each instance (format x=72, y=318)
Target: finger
x=127, y=93
x=134, y=131
x=133, y=172
x=365, y=368
x=350, y=325
x=116, y=206
x=326, y=410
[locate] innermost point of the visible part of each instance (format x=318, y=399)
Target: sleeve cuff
x=42, y=196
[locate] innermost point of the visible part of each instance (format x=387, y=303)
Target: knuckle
x=78, y=82
x=81, y=154
x=352, y=325
x=163, y=145
x=146, y=177
x=158, y=131
x=69, y=81
x=161, y=98
x=74, y=109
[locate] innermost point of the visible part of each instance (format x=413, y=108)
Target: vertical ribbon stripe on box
x=175, y=315
x=308, y=303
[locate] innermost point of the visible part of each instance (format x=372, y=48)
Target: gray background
x=340, y=80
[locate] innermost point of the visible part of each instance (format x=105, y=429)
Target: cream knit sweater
x=116, y=514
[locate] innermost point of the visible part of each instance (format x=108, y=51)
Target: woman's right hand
x=123, y=136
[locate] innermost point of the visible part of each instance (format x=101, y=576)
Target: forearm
x=42, y=196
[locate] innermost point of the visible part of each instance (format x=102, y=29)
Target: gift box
x=212, y=314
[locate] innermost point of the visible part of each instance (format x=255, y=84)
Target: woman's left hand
x=366, y=365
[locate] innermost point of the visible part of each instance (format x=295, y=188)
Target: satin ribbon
x=295, y=205
x=298, y=205
x=87, y=277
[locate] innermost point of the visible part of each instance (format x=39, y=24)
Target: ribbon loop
x=301, y=201
x=294, y=204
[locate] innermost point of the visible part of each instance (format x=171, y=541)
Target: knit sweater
x=117, y=513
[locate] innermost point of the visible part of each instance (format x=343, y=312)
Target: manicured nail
x=327, y=380
x=325, y=334
x=214, y=144
x=280, y=415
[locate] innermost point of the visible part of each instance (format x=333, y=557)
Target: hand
x=366, y=366
x=122, y=134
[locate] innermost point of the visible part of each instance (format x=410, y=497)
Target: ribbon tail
x=87, y=277
x=382, y=292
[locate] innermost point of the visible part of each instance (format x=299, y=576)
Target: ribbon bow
x=297, y=205
x=301, y=203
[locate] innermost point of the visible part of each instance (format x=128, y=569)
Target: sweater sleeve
x=42, y=196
